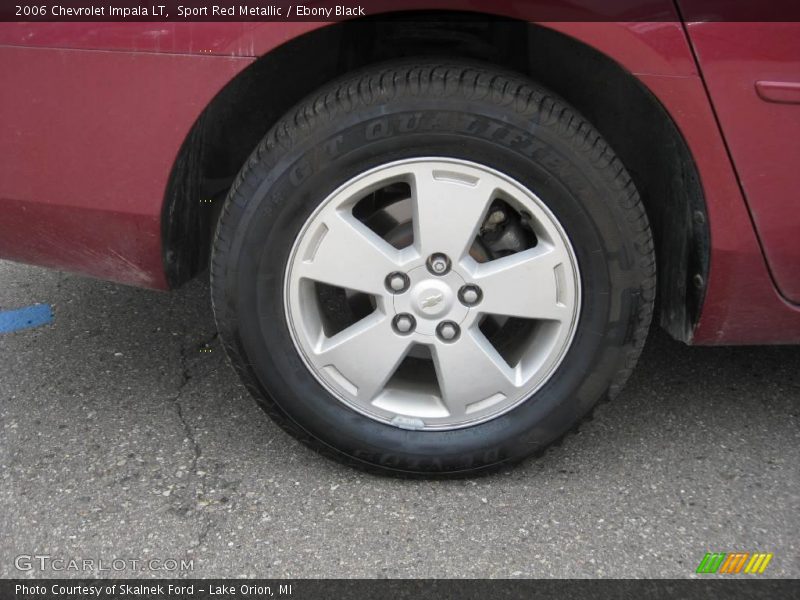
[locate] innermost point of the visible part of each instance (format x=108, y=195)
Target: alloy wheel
x=432, y=293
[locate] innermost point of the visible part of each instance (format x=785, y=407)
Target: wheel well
x=630, y=118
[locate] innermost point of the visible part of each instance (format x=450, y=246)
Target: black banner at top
x=337, y=10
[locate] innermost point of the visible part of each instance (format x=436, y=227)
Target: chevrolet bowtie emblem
x=432, y=301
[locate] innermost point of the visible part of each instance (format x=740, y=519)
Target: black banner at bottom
x=390, y=589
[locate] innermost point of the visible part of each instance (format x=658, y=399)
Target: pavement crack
x=185, y=377
x=197, y=452
x=203, y=535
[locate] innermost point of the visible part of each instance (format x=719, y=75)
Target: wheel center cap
x=432, y=298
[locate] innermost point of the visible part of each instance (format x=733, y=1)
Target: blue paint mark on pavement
x=25, y=318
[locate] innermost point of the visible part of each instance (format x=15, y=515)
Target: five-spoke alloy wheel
x=430, y=299
x=432, y=268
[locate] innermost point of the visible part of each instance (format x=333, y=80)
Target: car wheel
x=432, y=268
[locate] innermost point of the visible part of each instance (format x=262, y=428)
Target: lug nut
x=438, y=264
x=448, y=331
x=470, y=295
x=397, y=282
x=404, y=323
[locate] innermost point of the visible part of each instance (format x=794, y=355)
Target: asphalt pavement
x=126, y=435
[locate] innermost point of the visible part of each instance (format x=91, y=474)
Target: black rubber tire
x=465, y=111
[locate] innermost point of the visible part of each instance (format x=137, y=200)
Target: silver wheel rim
x=427, y=348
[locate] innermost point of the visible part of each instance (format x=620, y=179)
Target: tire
x=474, y=119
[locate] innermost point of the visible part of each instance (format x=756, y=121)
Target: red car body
x=93, y=118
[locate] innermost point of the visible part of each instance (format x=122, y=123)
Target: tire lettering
x=300, y=172
x=496, y=132
x=409, y=122
x=332, y=146
x=378, y=129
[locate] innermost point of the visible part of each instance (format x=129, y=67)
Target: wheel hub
x=431, y=300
